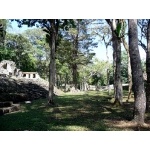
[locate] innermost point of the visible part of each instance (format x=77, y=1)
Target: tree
x=148, y=67
x=65, y=58
x=144, y=26
x=94, y=73
x=104, y=32
x=126, y=46
x=64, y=62
x=137, y=75
x=81, y=47
x=116, y=26
x=124, y=67
x=19, y=49
x=3, y=27
x=52, y=28
x=53, y=37
x=106, y=36
x=37, y=38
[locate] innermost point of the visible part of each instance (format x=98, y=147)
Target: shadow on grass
x=88, y=112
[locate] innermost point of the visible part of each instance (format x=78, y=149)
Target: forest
x=74, y=90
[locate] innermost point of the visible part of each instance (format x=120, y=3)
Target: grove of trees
x=61, y=51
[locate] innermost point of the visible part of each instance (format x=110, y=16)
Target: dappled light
x=86, y=112
x=52, y=80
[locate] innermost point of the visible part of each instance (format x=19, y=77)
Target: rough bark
x=52, y=63
x=114, y=70
x=108, y=72
x=108, y=79
x=75, y=55
x=2, y=34
x=118, y=93
x=137, y=75
x=66, y=76
x=117, y=77
x=126, y=46
x=75, y=75
x=129, y=77
x=81, y=86
x=60, y=81
x=148, y=68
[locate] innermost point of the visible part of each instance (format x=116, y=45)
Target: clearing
x=90, y=111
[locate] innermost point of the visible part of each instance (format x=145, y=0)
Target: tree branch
x=107, y=43
x=126, y=46
x=142, y=45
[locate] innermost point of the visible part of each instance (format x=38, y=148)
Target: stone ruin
x=30, y=75
x=8, y=68
x=8, y=96
x=17, y=86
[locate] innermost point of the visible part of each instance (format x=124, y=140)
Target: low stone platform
x=8, y=107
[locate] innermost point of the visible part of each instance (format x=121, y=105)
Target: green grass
x=91, y=111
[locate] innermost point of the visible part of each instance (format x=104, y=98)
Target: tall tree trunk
x=126, y=46
x=148, y=68
x=116, y=61
x=84, y=84
x=75, y=75
x=55, y=84
x=2, y=35
x=75, y=55
x=60, y=81
x=108, y=79
x=74, y=69
x=108, y=70
x=81, y=86
x=66, y=76
x=137, y=75
x=129, y=77
x=114, y=70
x=118, y=84
x=52, y=63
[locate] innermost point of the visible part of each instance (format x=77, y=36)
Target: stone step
x=6, y=104
x=13, y=108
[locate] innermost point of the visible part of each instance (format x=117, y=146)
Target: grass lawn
x=91, y=111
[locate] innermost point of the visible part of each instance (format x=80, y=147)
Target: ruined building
x=17, y=86
x=8, y=68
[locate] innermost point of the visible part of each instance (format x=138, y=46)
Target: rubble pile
x=22, y=89
x=18, y=86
